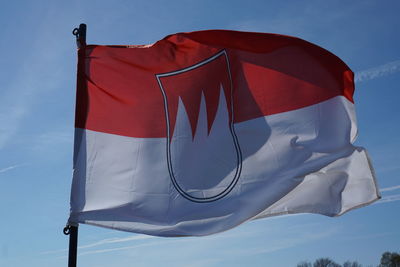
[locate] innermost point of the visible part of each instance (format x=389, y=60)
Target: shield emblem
x=203, y=153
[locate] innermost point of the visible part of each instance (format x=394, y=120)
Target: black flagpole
x=72, y=230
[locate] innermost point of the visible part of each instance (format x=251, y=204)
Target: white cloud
x=53, y=140
x=370, y=236
x=293, y=241
x=54, y=251
x=391, y=188
x=388, y=199
x=280, y=235
x=116, y=240
x=159, y=241
x=102, y=242
x=9, y=168
x=40, y=71
x=10, y=119
x=98, y=251
x=382, y=70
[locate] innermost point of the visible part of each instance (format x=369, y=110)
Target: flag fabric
x=200, y=132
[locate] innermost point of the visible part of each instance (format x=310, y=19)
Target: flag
x=202, y=131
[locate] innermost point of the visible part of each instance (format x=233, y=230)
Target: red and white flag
x=202, y=131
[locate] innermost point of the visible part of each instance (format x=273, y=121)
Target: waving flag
x=202, y=131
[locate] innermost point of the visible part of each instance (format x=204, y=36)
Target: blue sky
x=38, y=72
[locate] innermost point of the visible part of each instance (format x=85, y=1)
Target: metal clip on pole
x=80, y=34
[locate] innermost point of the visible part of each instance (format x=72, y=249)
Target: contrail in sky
x=382, y=70
x=9, y=168
x=390, y=188
x=390, y=198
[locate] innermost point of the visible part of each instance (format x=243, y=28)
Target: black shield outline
x=234, y=181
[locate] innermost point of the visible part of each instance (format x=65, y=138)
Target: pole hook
x=76, y=32
x=67, y=229
x=80, y=34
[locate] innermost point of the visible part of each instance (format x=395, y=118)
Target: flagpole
x=72, y=230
